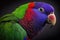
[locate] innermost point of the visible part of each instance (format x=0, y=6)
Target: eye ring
x=41, y=9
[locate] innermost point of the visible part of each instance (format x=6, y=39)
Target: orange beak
x=52, y=18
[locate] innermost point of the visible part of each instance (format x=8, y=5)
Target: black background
x=7, y=6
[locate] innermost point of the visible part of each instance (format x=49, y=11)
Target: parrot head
x=36, y=15
x=44, y=12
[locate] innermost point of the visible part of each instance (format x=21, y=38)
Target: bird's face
x=44, y=12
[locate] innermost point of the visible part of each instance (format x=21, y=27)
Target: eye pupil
x=40, y=9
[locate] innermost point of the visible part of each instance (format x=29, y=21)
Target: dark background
x=7, y=6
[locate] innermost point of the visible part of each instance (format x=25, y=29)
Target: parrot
x=26, y=21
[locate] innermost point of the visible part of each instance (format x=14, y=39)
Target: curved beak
x=52, y=18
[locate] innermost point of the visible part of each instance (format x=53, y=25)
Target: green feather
x=20, y=11
x=8, y=17
x=10, y=29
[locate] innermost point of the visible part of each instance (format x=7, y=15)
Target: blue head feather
x=47, y=7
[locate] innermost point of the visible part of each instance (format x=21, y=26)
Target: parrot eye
x=41, y=9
